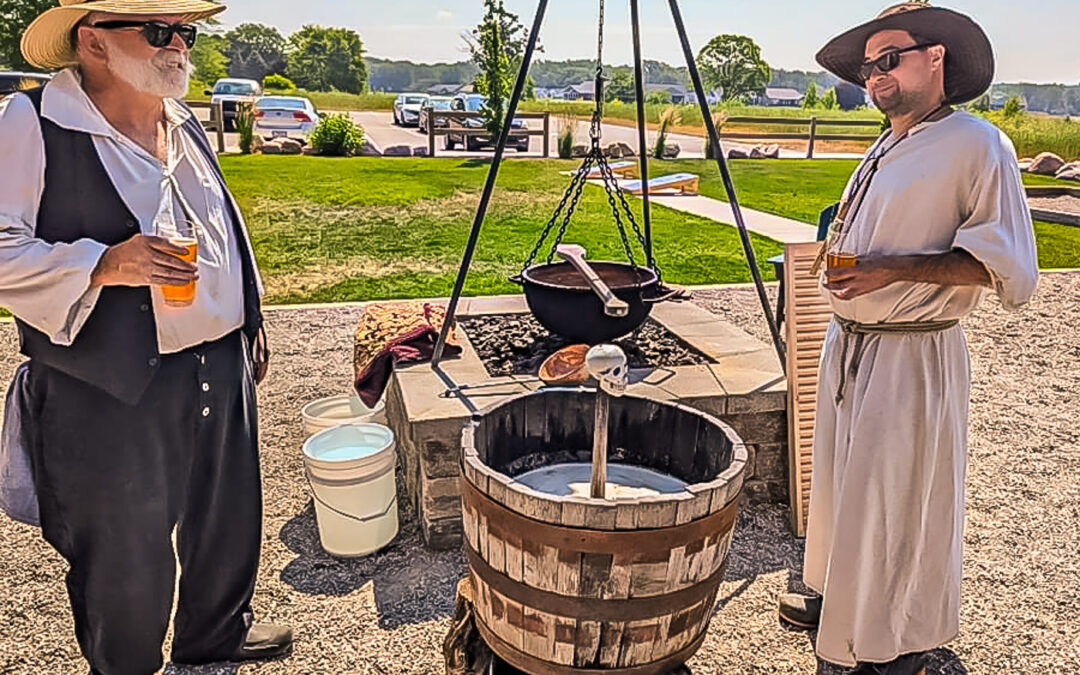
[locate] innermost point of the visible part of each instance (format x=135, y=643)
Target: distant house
x=775, y=96
x=586, y=91
x=682, y=95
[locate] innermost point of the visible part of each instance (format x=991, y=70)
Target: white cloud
x=445, y=15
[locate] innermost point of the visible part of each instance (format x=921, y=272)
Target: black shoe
x=908, y=664
x=801, y=611
x=264, y=641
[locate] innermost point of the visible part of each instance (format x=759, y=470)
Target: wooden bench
x=682, y=183
x=622, y=169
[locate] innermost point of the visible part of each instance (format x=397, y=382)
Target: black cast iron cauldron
x=564, y=303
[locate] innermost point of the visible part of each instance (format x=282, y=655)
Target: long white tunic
x=885, y=534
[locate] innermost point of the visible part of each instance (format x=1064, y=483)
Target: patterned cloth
x=391, y=333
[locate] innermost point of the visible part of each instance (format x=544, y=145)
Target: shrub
x=278, y=83
x=669, y=118
x=245, y=127
x=337, y=136
x=810, y=100
x=659, y=97
x=828, y=100
x=567, y=126
x=1014, y=107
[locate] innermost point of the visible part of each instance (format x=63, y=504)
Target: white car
x=407, y=109
x=285, y=117
x=231, y=93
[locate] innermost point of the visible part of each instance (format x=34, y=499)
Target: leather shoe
x=800, y=611
x=264, y=641
x=908, y=664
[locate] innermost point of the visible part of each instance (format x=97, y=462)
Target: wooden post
x=599, y=449
x=431, y=132
x=813, y=133
x=217, y=113
x=547, y=135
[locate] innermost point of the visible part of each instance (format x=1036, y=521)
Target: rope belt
x=861, y=330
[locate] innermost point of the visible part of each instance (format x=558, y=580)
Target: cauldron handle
x=517, y=279
x=672, y=294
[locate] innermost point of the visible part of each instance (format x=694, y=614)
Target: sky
x=1035, y=41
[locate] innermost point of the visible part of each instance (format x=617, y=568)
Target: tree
x=208, y=57
x=15, y=16
x=497, y=48
x=828, y=101
x=255, y=51
x=733, y=64
x=327, y=59
x=1014, y=107
x=810, y=100
x=620, y=87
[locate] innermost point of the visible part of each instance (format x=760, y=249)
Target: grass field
x=333, y=230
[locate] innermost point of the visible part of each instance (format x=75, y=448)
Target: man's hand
x=260, y=356
x=143, y=260
x=872, y=273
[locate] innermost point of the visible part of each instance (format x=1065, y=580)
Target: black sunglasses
x=888, y=61
x=158, y=33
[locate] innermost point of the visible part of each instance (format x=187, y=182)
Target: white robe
x=885, y=535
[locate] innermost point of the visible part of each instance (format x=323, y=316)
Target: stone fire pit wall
x=744, y=387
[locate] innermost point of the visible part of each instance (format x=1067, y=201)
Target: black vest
x=117, y=349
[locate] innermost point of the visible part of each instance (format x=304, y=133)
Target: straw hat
x=969, y=57
x=47, y=42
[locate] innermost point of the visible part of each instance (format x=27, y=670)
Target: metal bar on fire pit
x=489, y=187
x=643, y=149
x=729, y=185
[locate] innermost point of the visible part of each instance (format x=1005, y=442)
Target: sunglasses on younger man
x=888, y=61
x=158, y=33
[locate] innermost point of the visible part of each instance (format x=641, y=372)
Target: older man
x=935, y=213
x=140, y=412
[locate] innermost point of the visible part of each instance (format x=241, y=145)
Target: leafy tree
x=327, y=59
x=828, y=101
x=733, y=64
x=491, y=54
x=278, y=83
x=255, y=51
x=1014, y=107
x=620, y=87
x=208, y=57
x=810, y=100
x=15, y=16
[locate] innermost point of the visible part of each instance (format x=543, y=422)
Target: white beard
x=166, y=75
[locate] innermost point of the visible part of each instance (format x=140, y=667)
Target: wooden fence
x=812, y=136
x=456, y=120
x=216, y=123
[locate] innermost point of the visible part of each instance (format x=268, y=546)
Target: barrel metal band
x=595, y=609
x=530, y=664
x=579, y=540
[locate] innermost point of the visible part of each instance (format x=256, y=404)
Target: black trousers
x=114, y=480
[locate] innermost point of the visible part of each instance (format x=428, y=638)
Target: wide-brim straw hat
x=969, y=56
x=48, y=42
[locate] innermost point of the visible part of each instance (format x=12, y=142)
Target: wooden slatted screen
x=807, y=319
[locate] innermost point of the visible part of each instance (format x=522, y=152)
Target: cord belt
x=850, y=328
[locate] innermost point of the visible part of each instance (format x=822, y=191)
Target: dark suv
x=473, y=103
x=11, y=82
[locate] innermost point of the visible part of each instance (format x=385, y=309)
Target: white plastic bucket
x=338, y=410
x=351, y=472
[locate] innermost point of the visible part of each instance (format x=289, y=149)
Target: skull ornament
x=607, y=363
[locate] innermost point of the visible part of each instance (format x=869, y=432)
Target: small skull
x=607, y=363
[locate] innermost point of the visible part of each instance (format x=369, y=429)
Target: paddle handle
x=575, y=255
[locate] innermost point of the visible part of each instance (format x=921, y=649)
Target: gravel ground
x=388, y=613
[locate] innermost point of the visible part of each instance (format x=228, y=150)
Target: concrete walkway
x=783, y=230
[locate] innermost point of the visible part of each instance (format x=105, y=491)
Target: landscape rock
x=627, y=151
x=579, y=151
x=290, y=146
x=1071, y=174
x=369, y=149
x=765, y=152
x=1071, y=166
x=397, y=151
x=420, y=151
x=672, y=151
x=308, y=150
x=271, y=148
x=737, y=153
x=1046, y=164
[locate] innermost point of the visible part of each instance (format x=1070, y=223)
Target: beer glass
x=182, y=233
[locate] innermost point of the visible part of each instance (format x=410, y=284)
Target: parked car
x=285, y=117
x=231, y=93
x=434, y=104
x=407, y=109
x=473, y=103
x=12, y=81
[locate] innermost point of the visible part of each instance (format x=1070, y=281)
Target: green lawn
x=329, y=230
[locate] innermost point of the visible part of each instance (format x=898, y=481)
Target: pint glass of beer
x=841, y=259
x=184, y=235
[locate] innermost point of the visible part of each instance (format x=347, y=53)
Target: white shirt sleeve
x=46, y=285
x=999, y=231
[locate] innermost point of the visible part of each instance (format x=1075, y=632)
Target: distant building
x=586, y=91
x=449, y=89
x=775, y=96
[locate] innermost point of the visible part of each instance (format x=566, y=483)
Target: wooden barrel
x=568, y=584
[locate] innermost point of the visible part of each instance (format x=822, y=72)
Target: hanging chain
x=620, y=209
